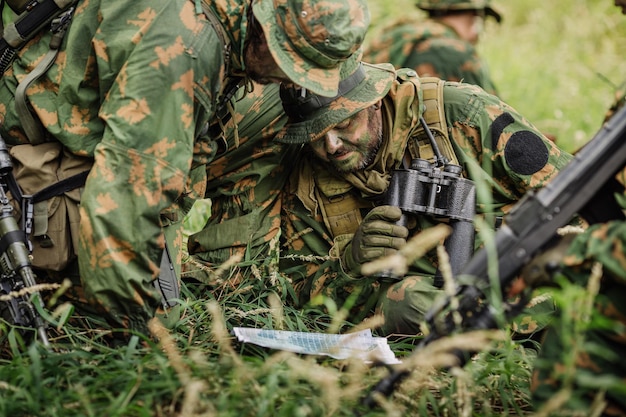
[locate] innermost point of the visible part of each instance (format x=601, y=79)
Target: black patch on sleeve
x=525, y=153
x=498, y=126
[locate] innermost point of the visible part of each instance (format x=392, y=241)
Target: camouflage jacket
x=133, y=86
x=503, y=153
x=245, y=182
x=432, y=49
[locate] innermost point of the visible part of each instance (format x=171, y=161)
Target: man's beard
x=369, y=156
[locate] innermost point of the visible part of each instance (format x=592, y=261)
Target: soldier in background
x=441, y=46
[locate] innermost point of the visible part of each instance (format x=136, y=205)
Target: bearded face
x=352, y=145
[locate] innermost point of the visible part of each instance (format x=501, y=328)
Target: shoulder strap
x=33, y=128
x=221, y=33
x=434, y=115
x=31, y=20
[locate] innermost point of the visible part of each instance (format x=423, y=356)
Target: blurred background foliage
x=559, y=63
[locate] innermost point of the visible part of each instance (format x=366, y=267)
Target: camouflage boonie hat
x=309, y=39
x=445, y=5
x=311, y=116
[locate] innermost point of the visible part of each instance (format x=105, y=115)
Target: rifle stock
x=585, y=187
x=17, y=278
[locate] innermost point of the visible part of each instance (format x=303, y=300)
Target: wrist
x=348, y=265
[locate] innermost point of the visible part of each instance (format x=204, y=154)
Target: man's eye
x=317, y=143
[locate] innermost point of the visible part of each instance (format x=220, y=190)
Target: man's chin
x=345, y=166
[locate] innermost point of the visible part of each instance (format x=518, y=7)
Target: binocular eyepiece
x=441, y=193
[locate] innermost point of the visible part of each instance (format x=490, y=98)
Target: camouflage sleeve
x=502, y=152
x=450, y=59
x=143, y=161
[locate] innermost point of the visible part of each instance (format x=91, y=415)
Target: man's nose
x=332, y=142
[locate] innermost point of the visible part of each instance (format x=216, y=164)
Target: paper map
x=339, y=346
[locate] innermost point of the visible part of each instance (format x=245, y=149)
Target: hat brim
x=375, y=86
x=299, y=69
x=490, y=11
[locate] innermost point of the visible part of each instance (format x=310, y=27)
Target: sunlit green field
x=558, y=63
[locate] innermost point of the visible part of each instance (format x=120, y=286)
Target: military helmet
x=310, y=39
x=452, y=5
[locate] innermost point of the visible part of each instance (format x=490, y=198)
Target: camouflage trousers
x=403, y=305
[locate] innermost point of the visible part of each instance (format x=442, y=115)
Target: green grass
x=559, y=63
x=556, y=62
x=198, y=369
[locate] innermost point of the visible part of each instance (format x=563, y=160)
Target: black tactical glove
x=377, y=236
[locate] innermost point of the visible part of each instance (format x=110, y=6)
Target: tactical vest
x=341, y=208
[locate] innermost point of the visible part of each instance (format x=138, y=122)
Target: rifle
x=17, y=279
x=33, y=16
x=585, y=187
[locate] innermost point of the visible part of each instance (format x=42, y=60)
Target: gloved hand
x=377, y=236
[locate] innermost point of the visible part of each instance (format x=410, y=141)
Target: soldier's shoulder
x=454, y=88
x=410, y=28
x=465, y=95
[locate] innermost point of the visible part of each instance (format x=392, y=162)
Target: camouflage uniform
x=498, y=149
x=244, y=184
x=433, y=49
x=133, y=87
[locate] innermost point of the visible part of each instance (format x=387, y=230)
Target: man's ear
x=377, y=105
